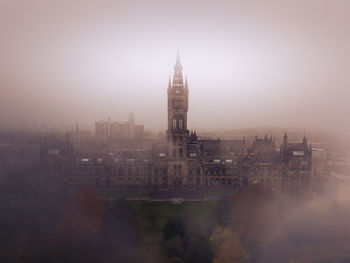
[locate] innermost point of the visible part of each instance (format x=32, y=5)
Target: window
x=175, y=169
x=180, y=140
x=174, y=152
x=180, y=152
x=174, y=124
x=198, y=171
x=181, y=124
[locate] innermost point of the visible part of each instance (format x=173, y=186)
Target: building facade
x=184, y=161
x=113, y=131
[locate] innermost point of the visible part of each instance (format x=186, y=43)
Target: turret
x=77, y=133
x=285, y=140
x=304, y=140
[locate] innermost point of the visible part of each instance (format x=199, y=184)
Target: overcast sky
x=248, y=63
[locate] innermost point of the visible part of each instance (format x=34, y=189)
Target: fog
x=248, y=63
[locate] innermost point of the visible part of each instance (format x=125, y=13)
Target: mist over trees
x=257, y=225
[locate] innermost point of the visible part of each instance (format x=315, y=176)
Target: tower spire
x=76, y=126
x=178, y=62
x=77, y=133
x=178, y=79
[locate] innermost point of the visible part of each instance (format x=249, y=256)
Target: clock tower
x=177, y=125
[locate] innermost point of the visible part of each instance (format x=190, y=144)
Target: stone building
x=184, y=161
x=113, y=131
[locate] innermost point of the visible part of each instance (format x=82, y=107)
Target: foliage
x=174, y=227
x=228, y=246
x=83, y=214
x=256, y=225
x=174, y=247
x=200, y=251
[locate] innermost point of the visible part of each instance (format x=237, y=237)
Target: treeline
x=257, y=225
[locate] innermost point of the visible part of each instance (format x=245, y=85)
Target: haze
x=248, y=63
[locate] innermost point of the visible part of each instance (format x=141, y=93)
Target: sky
x=248, y=63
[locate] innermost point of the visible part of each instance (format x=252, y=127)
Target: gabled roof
x=193, y=148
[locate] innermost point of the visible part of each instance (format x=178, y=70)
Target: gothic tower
x=177, y=125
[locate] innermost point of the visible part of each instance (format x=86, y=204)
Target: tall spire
x=178, y=62
x=186, y=84
x=178, y=79
x=76, y=126
x=77, y=133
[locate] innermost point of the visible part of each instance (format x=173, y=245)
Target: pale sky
x=248, y=63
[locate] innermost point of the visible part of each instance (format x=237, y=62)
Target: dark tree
x=174, y=227
x=201, y=250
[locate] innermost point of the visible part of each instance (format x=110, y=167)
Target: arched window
x=180, y=152
x=174, y=152
x=174, y=139
x=174, y=124
x=181, y=124
x=180, y=140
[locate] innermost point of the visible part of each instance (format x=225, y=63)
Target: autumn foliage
x=83, y=214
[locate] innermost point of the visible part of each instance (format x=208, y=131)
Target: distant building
x=183, y=160
x=106, y=131
x=102, y=131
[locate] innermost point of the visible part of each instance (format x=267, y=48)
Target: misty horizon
x=263, y=65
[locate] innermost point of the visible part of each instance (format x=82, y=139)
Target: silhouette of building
x=108, y=131
x=183, y=160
